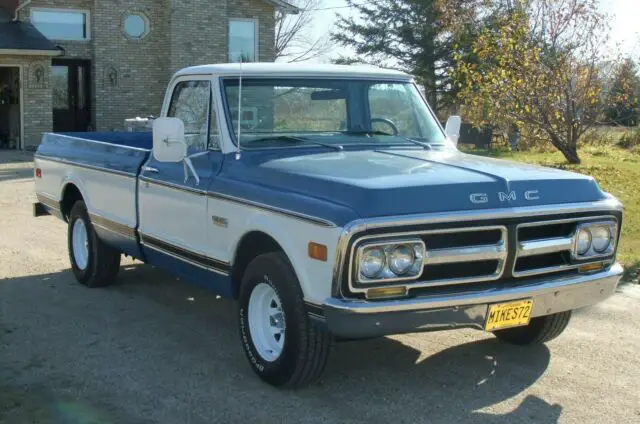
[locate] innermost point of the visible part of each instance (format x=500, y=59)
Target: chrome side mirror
x=452, y=129
x=169, y=144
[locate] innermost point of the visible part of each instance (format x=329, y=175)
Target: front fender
x=293, y=236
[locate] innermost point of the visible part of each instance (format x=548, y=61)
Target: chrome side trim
x=85, y=166
x=541, y=247
x=196, y=191
x=245, y=202
x=112, y=226
x=88, y=140
x=48, y=201
x=191, y=258
x=359, y=225
x=465, y=254
x=601, y=283
x=274, y=209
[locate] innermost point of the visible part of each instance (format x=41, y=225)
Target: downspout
x=19, y=8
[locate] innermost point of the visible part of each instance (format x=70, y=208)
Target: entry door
x=173, y=210
x=70, y=88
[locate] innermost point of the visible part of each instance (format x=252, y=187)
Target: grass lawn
x=616, y=170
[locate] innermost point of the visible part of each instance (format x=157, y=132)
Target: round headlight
x=583, y=241
x=372, y=262
x=401, y=259
x=600, y=238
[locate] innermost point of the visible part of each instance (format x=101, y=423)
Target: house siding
x=129, y=77
x=130, y=74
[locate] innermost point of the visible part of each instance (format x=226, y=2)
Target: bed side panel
x=104, y=173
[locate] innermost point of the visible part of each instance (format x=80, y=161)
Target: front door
x=173, y=206
x=70, y=88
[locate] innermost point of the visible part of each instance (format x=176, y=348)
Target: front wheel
x=282, y=345
x=539, y=330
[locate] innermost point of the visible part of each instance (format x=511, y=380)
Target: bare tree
x=294, y=41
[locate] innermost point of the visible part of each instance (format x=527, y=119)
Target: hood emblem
x=504, y=197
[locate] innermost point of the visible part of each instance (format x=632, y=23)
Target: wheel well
x=70, y=196
x=251, y=245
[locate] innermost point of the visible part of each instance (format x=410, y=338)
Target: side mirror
x=168, y=140
x=452, y=129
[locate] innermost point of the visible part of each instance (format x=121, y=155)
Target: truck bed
x=122, y=152
x=104, y=168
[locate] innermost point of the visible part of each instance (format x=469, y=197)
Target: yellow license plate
x=511, y=314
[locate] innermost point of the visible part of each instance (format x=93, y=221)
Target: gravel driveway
x=153, y=349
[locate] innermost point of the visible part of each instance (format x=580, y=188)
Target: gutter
x=26, y=52
x=19, y=8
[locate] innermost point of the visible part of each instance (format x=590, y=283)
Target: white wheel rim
x=266, y=322
x=80, y=243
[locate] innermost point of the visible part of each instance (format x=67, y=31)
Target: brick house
x=78, y=65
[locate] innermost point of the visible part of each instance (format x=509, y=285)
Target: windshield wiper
x=426, y=146
x=291, y=138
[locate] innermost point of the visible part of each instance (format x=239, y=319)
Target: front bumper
x=363, y=319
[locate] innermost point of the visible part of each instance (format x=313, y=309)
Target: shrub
x=630, y=140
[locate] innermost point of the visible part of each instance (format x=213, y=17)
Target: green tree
x=622, y=108
x=537, y=66
x=416, y=36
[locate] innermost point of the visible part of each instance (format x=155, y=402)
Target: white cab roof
x=294, y=69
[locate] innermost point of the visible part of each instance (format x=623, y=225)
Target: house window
x=136, y=25
x=61, y=24
x=243, y=40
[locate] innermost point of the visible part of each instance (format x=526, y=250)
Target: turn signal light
x=38, y=173
x=381, y=292
x=318, y=251
x=591, y=267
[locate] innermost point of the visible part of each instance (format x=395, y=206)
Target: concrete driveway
x=153, y=349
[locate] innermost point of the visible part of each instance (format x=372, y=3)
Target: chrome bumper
x=361, y=318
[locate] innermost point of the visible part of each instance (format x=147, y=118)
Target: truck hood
x=408, y=181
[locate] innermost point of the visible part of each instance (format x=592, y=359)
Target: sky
x=625, y=25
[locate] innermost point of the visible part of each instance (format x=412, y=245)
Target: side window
x=190, y=103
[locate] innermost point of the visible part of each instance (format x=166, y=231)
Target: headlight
x=372, y=262
x=583, y=241
x=600, y=238
x=389, y=260
x=401, y=259
x=595, y=239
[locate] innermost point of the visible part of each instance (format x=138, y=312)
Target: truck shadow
x=181, y=343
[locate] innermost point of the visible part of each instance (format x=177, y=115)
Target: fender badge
x=220, y=221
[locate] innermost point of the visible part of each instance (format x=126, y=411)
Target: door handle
x=150, y=169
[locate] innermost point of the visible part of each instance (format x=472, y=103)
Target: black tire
x=540, y=330
x=306, y=347
x=103, y=261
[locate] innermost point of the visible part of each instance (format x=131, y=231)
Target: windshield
x=333, y=111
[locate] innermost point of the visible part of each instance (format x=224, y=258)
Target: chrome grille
x=545, y=247
x=453, y=256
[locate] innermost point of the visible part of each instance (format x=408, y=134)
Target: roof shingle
x=22, y=36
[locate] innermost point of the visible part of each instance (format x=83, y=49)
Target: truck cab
x=331, y=204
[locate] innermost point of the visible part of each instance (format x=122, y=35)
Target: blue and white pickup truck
x=332, y=205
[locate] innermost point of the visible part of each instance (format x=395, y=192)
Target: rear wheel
x=282, y=345
x=93, y=262
x=540, y=330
